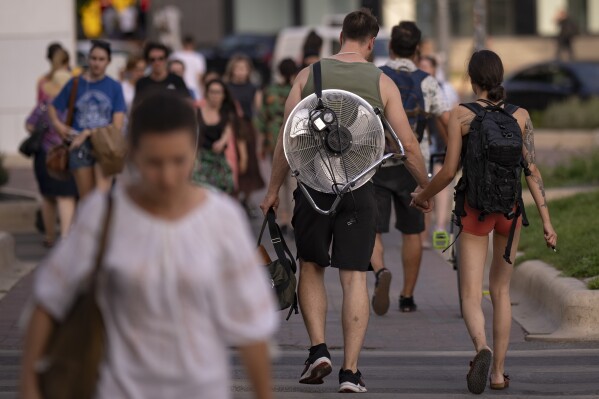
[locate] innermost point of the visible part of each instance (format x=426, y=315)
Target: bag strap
x=72, y=97
x=317, y=72
x=277, y=239
x=107, y=222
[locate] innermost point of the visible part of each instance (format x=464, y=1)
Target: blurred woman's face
x=427, y=66
x=98, y=61
x=241, y=71
x=215, y=95
x=165, y=161
x=139, y=70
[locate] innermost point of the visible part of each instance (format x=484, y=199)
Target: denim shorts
x=82, y=157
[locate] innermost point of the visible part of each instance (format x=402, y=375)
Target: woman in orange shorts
x=486, y=74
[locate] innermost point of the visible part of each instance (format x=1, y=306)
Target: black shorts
x=351, y=231
x=393, y=185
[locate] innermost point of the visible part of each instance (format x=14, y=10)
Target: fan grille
x=362, y=142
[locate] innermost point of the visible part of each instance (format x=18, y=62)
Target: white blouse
x=174, y=295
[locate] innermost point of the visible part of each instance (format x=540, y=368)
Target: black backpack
x=492, y=166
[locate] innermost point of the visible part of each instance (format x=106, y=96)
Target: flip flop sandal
x=479, y=371
x=502, y=385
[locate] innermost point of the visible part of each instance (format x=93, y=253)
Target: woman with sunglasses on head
x=486, y=75
x=99, y=102
x=181, y=283
x=215, y=118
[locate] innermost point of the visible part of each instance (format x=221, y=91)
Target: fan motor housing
x=337, y=140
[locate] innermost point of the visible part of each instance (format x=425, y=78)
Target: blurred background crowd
x=238, y=58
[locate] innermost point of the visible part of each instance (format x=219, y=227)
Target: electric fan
x=334, y=143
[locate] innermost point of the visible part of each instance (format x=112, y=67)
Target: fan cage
x=307, y=155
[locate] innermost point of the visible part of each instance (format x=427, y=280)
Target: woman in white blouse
x=180, y=282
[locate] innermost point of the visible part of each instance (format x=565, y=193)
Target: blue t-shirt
x=95, y=104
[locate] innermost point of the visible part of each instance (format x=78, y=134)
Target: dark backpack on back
x=492, y=166
x=412, y=98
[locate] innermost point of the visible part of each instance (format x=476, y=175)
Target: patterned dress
x=212, y=169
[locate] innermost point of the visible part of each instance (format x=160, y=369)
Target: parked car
x=537, y=86
x=257, y=46
x=290, y=41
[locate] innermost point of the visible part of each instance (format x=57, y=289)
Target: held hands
x=423, y=205
x=219, y=147
x=550, y=235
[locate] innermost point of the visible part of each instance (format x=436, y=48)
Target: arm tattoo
x=539, y=181
x=529, y=142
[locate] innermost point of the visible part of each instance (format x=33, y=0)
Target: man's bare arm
x=280, y=167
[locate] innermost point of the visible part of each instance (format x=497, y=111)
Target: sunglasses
x=154, y=59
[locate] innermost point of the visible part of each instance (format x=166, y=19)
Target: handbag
x=110, y=149
x=70, y=366
x=282, y=270
x=57, y=159
x=33, y=142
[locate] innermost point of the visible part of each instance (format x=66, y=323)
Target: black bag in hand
x=282, y=270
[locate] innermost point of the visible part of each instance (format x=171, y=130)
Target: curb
x=18, y=216
x=551, y=307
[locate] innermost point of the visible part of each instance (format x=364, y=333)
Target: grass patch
x=594, y=284
x=573, y=113
x=575, y=221
x=580, y=170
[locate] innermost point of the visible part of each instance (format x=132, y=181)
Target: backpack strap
x=511, y=108
x=317, y=75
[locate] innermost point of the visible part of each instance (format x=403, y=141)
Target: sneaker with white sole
x=350, y=382
x=318, y=365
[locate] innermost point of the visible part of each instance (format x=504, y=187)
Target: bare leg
x=411, y=256
x=499, y=286
x=102, y=182
x=355, y=313
x=473, y=255
x=443, y=206
x=66, y=211
x=312, y=297
x=377, y=259
x=85, y=180
x=49, y=218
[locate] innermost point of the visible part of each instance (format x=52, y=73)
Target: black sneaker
x=318, y=365
x=406, y=304
x=350, y=382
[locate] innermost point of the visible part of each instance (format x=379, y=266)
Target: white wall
x=546, y=12
x=26, y=28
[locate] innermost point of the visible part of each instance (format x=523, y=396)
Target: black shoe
x=318, y=365
x=479, y=371
x=350, y=382
x=406, y=304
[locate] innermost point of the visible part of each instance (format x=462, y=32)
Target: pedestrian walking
x=311, y=49
x=159, y=79
x=352, y=243
x=567, y=32
x=437, y=139
x=270, y=121
x=216, y=119
x=99, y=102
x=195, y=66
x=180, y=285
x=488, y=199
x=58, y=196
x=422, y=99
x=134, y=70
x=249, y=98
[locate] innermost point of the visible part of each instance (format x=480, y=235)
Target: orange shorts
x=493, y=221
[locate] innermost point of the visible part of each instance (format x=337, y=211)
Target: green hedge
x=573, y=113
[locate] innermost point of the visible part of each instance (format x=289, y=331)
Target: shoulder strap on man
x=317, y=75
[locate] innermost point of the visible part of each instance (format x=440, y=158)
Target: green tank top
x=360, y=78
